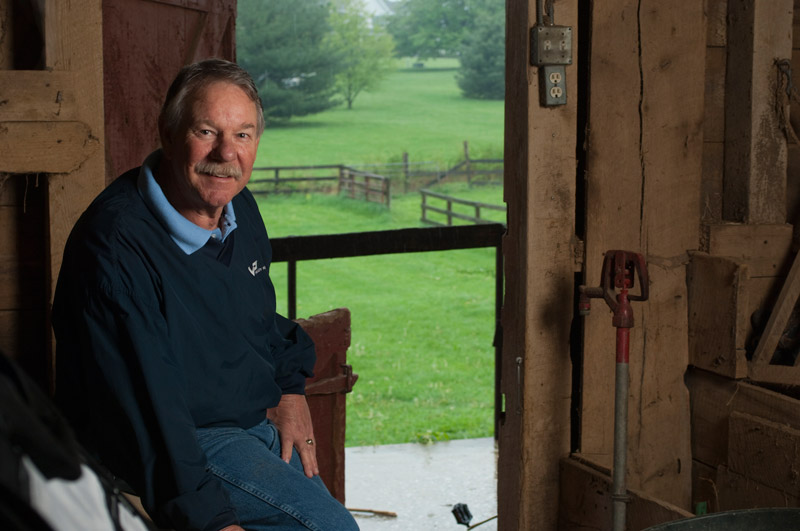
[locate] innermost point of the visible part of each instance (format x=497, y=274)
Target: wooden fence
x=450, y=213
x=323, y=178
x=363, y=185
x=410, y=176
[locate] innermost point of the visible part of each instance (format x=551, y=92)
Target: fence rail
x=369, y=186
x=297, y=248
x=356, y=184
x=410, y=176
x=450, y=213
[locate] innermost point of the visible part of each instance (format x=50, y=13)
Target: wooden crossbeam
x=36, y=95
x=45, y=147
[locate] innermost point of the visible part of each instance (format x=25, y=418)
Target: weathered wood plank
x=585, y=501
x=540, y=191
x=724, y=490
x=766, y=249
x=714, y=110
x=714, y=398
x=21, y=262
x=717, y=289
x=643, y=194
x=612, y=186
x=716, y=12
x=764, y=451
x=7, y=37
x=755, y=151
x=779, y=316
x=36, y=95
x=45, y=147
x=711, y=186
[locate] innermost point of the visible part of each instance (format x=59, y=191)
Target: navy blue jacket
x=152, y=343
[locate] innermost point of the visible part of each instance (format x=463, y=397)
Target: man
x=170, y=355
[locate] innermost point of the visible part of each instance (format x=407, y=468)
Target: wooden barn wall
x=51, y=131
x=643, y=183
x=714, y=118
x=793, y=171
x=145, y=43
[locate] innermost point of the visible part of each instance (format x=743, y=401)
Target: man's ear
x=166, y=138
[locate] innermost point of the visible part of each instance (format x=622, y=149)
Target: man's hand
x=293, y=421
x=232, y=528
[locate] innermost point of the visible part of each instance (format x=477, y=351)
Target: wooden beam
x=715, y=398
x=585, y=501
x=74, y=43
x=718, y=296
x=779, y=316
x=6, y=36
x=45, y=147
x=539, y=188
x=643, y=194
x=36, y=95
x=759, y=33
x=766, y=249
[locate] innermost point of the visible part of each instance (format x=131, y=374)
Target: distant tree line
x=471, y=30
x=307, y=56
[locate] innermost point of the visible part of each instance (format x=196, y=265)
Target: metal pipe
x=619, y=493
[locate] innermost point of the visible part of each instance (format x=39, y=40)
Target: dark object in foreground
x=462, y=514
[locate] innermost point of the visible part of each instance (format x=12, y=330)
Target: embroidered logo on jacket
x=254, y=269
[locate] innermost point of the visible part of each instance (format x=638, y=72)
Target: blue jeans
x=268, y=493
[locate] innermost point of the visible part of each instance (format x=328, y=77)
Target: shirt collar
x=188, y=236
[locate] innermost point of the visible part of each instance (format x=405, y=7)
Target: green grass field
x=422, y=324
x=419, y=111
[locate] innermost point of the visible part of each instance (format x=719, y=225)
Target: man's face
x=211, y=155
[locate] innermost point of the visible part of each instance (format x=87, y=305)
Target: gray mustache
x=215, y=168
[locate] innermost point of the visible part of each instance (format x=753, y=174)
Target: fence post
x=468, y=164
x=405, y=171
x=387, y=185
x=339, y=183
x=424, y=205
x=277, y=176
x=449, y=212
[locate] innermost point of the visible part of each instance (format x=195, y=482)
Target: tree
x=280, y=43
x=482, y=72
x=429, y=28
x=364, y=49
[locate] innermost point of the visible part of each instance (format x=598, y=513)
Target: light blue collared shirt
x=183, y=232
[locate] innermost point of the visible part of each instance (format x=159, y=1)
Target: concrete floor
x=421, y=483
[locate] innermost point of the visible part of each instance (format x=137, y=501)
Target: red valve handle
x=620, y=269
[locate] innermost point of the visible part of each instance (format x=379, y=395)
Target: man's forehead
x=217, y=96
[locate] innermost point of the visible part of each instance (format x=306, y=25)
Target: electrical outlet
x=552, y=85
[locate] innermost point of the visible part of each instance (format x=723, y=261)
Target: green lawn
x=422, y=324
x=419, y=111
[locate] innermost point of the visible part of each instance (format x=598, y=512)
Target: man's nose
x=224, y=149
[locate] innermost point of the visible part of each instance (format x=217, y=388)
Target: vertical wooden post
x=756, y=154
x=540, y=191
x=74, y=42
x=449, y=213
x=7, y=38
x=467, y=163
x=405, y=171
